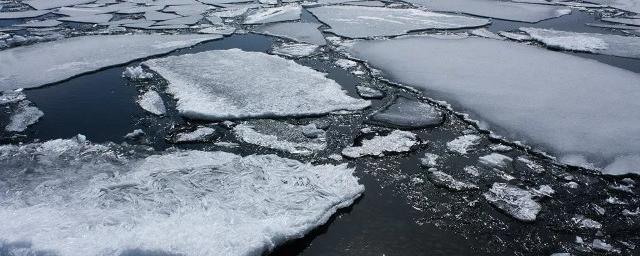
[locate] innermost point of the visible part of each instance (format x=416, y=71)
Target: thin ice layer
x=588, y=109
x=405, y=113
x=623, y=46
x=503, y=10
x=83, y=199
x=300, y=32
x=363, y=22
x=274, y=14
x=25, y=67
x=232, y=84
x=627, y=5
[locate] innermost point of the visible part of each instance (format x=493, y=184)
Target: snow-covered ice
x=463, y=144
x=345, y=63
x=200, y=134
x=623, y=46
x=483, y=32
x=298, y=31
x=396, y=141
x=274, y=14
x=24, y=115
x=87, y=199
x=518, y=92
x=281, y=136
x=514, y=201
x=11, y=96
x=363, y=22
x=74, y=56
x=232, y=84
x=405, y=113
x=294, y=50
x=515, y=36
x=503, y=10
x=152, y=103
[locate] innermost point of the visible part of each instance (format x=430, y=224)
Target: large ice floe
x=50, y=62
x=504, y=10
x=71, y=197
x=299, y=31
x=623, y=46
x=363, y=22
x=232, y=84
x=585, y=114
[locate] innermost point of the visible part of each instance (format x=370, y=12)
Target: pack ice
x=503, y=10
x=71, y=197
x=363, y=22
x=45, y=63
x=232, y=84
x=623, y=46
x=585, y=113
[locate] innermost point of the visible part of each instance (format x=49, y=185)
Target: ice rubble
x=201, y=134
x=463, y=144
x=405, y=113
x=514, y=201
x=294, y=50
x=50, y=4
x=500, y=83
x=74, y=56
x=78, y=198
x=623, y=46
x=11, y=96
x=396, y=141
x=483, y=32
x=274, y=14
x=21, y=15
x=297, y=31
x=363, y=22
x=232, y=84
x=281, y=136
x=152, y=103
x=24, y=115
x=503, y=10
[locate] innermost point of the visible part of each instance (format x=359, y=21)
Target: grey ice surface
x=297, y=31
x=405, y=113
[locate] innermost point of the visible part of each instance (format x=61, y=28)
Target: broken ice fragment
x=11, y=96
x=483, y=32
x=363, y=22
x=280, y=136
x=40, y=24
x=429, y=160
x=136, y=73
x=369, y=93
x=396, y=141
x=345, y=63
x=24, y=115
x=49, y=4
x=445, y=180
x=495, y=160
x=294, y=50
x=274, y=14
x=152, y=103
x=404, y=113
x=463, y=144
x=584, y=222
x=515, y=36
x=514, y=201
x=70, y=57
x=201, y=134
x=600, y=245
x=232, y=84
x=135, y=134
x=298, y=31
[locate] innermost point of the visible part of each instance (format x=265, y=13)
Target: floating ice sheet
x=221, y=30
x=74, y=56
x=300, y=32
x=363, y=22
x=50, y=4
x=274, y=14
x=280, y=136
x=190, y=20
x=405, y=113
x=189, y=10
x=396, y=141
x=21, y=15
x=157, y=16
x=98, y=18
x=230, y=84
x=503, y=10
x=82, y=199
x=518, y=91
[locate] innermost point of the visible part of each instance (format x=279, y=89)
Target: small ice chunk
x=515, y=36
x=429, y=160
x=294, y=50
x=152, y=103
x=220, y=30
x=405, y=113
x=95, y=19
x=301, y=32
x=500, y=148
x=21, y=15
x=369, y=93
x=544, y=190
x=526, y=165
x=495, y=160
x=135, y=134
x=514, y=201
x=274, y=14
x=584, y=222
x=232, y=84
x=201, y=134
x=472, y=170
x=627, y=212
x=463, y=144
x=483, y=32
x=345, y=63
x=25, y=114
x=312, y=132
x=622, y=46
x=396, y=141
x=445, y=180
x=280, y=136
x=364, y=22
x=136, y=73
x=335, y=157
x=600, y=245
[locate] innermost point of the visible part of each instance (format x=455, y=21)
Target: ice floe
x=280, y=136
x=21, y=15
x=50, y=4
x=514, y=201
x=294, y=50
x=429, y=160
x=405, y=113
x=12, y=96
x=627, y=5
x=396, y=141
x=500, y=83
x=200, y=134
x=297, y=31
x=495, y=160
x=152, y=103
x=503, y=10
x=231, y=84
x=74, y=56
x=79, y=198
x=623, y=46
x=220, y=30
x=442, y=179
x=274, y=14
x=40, y=24
x=136, y=73
x=25, y=114
x=369, y=93
x=98, y=18
x=189, y=20
x=483, y=32
x=363, y=22
x=463, y=144
x=515, y=36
